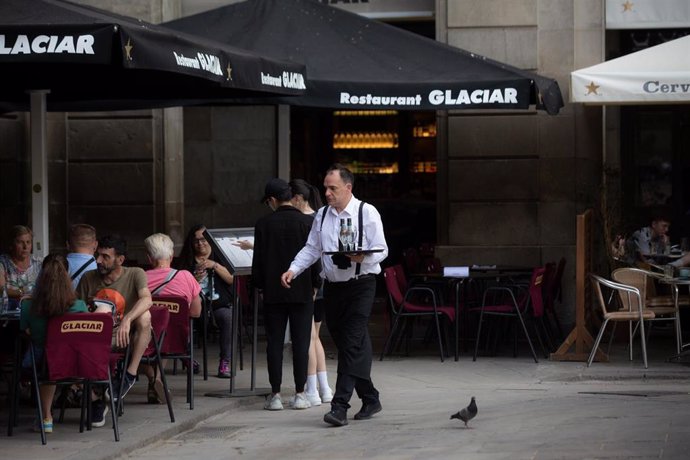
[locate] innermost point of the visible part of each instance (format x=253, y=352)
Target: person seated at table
x=166, y=281
x=197, y=257
x=53, y=296
x=82, y=244
x=127, y=288
x=649, y=244
x=19, y=268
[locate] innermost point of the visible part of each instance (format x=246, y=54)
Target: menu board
x=225, y=242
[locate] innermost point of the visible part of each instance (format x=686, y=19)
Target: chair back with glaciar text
x=160, y=318
x=178, y=328
x=78, y=346
x=179, y=337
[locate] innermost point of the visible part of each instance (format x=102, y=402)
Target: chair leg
x=390, y=337
x=85, y=410
x=113, y=414
x=479, y=333
x=438, y=333
x=190, y=370
x=39, y=406
x=529, y=341
x=644, y=344
x=613, y=334
x=204, y=336
x=14, y=390
x=596, y=343
x=535, y=326
x=120, y=401
x=164, y=380
x=63, y=401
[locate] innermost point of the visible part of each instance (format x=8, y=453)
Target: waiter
x=349, y=288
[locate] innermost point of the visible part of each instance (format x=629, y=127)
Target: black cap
x=277, y=188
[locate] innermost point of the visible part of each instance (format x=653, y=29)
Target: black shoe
x=128, y=384
x=368, y=410
x=98, y=412
x=336, y=417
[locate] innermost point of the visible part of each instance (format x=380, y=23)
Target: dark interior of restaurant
x=655, y=142
x=392, y=154
x=393, y=157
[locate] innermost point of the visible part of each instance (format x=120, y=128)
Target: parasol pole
x=39, y=173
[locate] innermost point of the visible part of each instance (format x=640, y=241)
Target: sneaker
x=336, y=417
x=273, y=402
x=326, y=395
x=224, y=369
x=128, y=384
x=300, y=402
x=313, y=398
x=156, y=392
x=196, y=369
x=47, y=425
x=98, y=412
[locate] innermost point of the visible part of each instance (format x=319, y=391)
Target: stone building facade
x=509, y=184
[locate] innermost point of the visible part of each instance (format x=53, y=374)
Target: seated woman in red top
x=53, y=296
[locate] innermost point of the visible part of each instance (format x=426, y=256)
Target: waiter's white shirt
x=325, y=239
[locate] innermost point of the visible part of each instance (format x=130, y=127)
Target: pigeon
x=467, y=413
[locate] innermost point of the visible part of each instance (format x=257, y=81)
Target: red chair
x=77, y=350
x=417, y=301
x=179, y=336
x=160, y=318
x=514, y=302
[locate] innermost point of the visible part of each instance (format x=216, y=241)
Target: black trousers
x=275, y=321
x=347, y=308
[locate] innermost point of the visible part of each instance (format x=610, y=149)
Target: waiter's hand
x=286, y=279
x=356, y=258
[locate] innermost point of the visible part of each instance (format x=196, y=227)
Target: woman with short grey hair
x=163, y=280
x=159, y=246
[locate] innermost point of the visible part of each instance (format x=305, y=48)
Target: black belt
x=351, y=280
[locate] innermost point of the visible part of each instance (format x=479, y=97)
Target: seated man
x=166, y=281
x=81, y=244
x=127, y=288
x=648, y=243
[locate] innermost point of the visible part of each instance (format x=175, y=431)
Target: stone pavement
x=526, y=410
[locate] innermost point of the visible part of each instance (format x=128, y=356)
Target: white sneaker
x=313, y=398
x=301, y=402
x=273, y=402
x=326, y=395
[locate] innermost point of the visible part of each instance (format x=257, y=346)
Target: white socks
x=311, y=384
x=323, y=380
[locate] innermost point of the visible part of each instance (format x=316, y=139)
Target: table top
x=9, y=315
x=666, y=280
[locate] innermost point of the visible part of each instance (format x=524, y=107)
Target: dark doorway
x=393, y=157
x=655, y=157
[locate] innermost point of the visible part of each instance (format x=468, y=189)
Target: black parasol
x=355, y=62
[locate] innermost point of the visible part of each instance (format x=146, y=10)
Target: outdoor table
x=461, y=285
x=675, y=283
